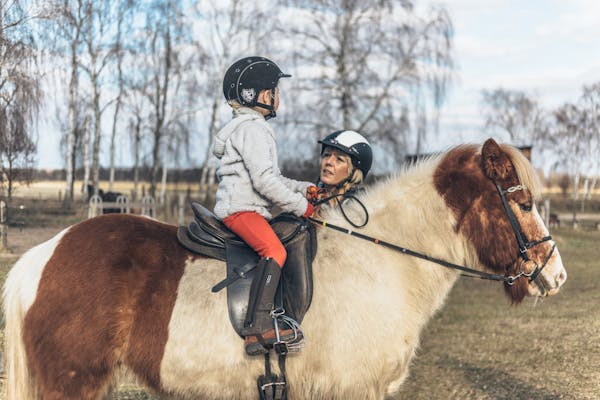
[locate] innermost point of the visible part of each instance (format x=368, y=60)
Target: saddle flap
x=191, y=243
x=212, y=224
x=202, y=237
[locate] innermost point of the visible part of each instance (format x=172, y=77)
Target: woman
x=346, y=159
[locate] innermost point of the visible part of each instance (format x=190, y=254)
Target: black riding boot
x=258, y=327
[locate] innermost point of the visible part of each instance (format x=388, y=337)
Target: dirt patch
x=20, y=240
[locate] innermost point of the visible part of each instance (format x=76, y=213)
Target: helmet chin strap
x=269, y=107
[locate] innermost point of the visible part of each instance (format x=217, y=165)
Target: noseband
x=522, y=241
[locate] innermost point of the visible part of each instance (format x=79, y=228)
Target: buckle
x=281, y=348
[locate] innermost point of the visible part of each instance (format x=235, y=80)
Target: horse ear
x=495, y=162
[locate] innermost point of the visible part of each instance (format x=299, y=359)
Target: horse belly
x=203, y=354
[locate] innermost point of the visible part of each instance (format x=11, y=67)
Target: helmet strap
x=271, y=114
x=269, y=107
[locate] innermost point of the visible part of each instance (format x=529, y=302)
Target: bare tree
x=124, y=12
x=568, y=139
x=98, y=43
x=361, y=63
x=590, y=104
x=20, y=95
x=516, y=114
x=231, y=29
x=64, y=30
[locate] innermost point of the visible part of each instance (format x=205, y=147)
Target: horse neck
x=407, y=210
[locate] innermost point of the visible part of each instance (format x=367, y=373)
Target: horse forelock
x=525, y=172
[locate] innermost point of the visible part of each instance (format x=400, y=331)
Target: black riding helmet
x=245, y=78
x=352, y=143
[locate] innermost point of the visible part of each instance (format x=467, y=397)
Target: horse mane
x=415, y=175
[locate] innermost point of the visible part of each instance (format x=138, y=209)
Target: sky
x=549, y=49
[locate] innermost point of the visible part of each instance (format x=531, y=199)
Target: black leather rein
x=524, y=246
x=468, y=272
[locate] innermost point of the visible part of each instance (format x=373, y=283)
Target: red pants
x=258, y=234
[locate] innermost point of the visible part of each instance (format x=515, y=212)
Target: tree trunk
x=136, y=163
x=86, y=158
x=97, y=122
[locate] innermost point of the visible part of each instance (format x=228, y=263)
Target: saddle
x=208, y=236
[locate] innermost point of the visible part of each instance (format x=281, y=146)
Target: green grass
x=481, y=347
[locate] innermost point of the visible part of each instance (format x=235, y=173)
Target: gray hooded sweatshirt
x=249, y=177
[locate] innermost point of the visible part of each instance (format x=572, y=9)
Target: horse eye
x=525, y=207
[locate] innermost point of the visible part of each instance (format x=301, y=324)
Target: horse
x=118, y=291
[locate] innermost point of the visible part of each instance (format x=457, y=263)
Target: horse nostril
x=562, y=277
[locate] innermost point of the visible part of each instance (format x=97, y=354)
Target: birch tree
x=590, y=105
x=161, y=64
x=568, y=139
x=230, y=31
x=514, y=115
x=360, y=64
x=124, y=13
x=20, y=95
x=97, y=58
x=64, y=30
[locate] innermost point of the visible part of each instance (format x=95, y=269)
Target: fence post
x=95, y=206
x=3, y=227
x=181, y=211
x=123, y=204
x=148, y=207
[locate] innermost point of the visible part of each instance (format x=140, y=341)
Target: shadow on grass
x=500, y=384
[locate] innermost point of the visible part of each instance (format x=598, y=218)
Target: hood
x=241, y=115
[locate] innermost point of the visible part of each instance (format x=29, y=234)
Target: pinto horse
x=119, y=291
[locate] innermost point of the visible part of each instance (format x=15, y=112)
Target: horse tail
x=19, y=381
x=19, y=293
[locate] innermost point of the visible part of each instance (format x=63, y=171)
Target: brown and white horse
x=118, y=290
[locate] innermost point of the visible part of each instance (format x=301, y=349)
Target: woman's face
x=335, y=166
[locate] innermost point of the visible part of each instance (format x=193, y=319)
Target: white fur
x=19, y=293
x=369, y=306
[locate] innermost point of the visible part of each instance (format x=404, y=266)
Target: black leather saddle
x=208, y=236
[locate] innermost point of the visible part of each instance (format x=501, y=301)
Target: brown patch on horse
x=105, y=297
x=465, y=179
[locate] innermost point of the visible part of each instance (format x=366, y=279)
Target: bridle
x=522, y=241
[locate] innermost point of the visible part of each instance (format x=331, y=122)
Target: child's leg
x=256, y=231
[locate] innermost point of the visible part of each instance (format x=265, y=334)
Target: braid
x=355, y=178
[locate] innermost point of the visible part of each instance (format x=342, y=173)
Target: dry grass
x=480, y=347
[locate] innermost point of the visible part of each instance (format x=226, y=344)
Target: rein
x=344, y=196
x=467, y=272
x=524, y=244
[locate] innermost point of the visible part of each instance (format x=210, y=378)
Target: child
x=250, y=184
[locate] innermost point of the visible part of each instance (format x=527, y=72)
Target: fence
x=96, y=206
x=147, y=206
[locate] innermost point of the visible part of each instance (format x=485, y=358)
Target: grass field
x=480, y=347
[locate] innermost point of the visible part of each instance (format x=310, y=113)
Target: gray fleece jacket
x=249, y=178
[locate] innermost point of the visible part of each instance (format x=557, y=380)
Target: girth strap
x=272, y=386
